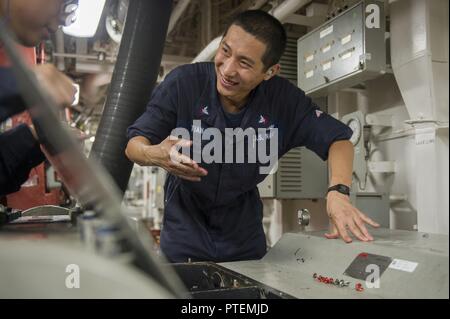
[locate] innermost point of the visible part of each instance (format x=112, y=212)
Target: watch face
x=355, y=126
x=343, y=189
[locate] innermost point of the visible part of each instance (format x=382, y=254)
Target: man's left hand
x=344, y=216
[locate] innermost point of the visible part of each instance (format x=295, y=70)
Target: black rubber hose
x=132, y=83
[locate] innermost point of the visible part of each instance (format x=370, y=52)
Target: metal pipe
x=176, y=14
x=288, y=7
x=134, y=77
x=205, y=21
x=209, y=51
x=92, y=57
x=60, y=48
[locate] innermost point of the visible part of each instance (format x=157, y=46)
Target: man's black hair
x=266, y=29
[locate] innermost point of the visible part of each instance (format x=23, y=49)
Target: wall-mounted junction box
x=344, y=51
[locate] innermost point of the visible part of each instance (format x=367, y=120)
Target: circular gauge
x=355, y=125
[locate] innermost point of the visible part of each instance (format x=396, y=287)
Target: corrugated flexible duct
x=134, y=77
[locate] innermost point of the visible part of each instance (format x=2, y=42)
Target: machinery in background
x=374, y=204
x=301, y=174
x=144, y=197
x=420, y=63
x=341, y=53
x=207, y=280
x=345, y=51
x=42, y=186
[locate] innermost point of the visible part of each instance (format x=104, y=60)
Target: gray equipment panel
x=342, y=52
x=301, y=175
x=374, y=205
x=289, y=266
x=313, y=176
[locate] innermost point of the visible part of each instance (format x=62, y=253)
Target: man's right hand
x=167, y=156
x=57, y=85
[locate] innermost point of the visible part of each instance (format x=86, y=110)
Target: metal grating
x=289, y=175
x=289, y=169
x=289, y=61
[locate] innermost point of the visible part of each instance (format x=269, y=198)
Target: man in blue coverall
x=32, y=21
x=213, y=210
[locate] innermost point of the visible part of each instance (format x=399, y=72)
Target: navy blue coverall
x=19, y=150
x=220, y=218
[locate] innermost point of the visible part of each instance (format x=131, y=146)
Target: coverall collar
x=210, y=108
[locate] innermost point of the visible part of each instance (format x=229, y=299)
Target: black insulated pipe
x=132, y=83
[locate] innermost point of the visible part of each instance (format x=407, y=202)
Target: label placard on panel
x=346, y=39
x=326, y=31
x=326, y=66
x=309, y=74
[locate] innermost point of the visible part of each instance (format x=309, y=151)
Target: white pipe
x=176, y=14
x=60, y=49
x=281, y=12
x=288, y=7
x=208, y=52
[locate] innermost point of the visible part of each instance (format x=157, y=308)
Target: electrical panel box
x=344, y=51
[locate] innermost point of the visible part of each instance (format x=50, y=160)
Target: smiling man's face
x=32, y=20
x=238, y=64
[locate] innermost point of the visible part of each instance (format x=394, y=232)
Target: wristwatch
x=341, y=188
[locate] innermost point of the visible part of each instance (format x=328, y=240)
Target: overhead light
x=87, y=17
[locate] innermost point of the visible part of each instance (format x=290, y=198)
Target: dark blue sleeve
x=160, y=117
x=311, y=127
x=11, y=101
x=19, y=153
